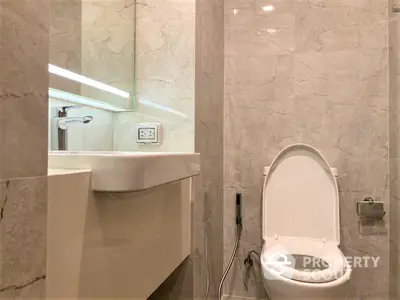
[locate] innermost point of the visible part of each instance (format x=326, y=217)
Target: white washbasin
x=128, y=171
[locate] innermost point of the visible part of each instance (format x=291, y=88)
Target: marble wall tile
x=208, y=226
x=26, y=45
x=34, y=291
x=177, y=132
x=7, y=295
x=24, y=57
x=23, y=135
x=394, y=147
x=256, y=32
x=326, y=86
x=339, y=25
x=165, y=44
x=23, y=233
x=23, y=107
x=394, y=235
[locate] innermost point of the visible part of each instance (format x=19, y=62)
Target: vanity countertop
x=58, y=172
x=128, y=171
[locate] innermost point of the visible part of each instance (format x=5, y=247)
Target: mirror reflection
x=92, y=52
x=122, y=75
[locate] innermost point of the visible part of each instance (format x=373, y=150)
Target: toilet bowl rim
x=338, y=265
x=319, y=277
x=316, y=285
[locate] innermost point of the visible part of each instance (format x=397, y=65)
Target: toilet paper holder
x=370, y=210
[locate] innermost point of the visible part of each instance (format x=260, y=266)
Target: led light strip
x=164, y=108
x=61, y=95
x=87, y=81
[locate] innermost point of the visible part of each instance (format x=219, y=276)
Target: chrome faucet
x=62, y=111
x=63, y=123
x=60, y=122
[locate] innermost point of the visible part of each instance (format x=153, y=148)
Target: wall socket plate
x=148, y=133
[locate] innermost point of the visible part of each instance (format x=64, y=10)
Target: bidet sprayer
x=239, y=209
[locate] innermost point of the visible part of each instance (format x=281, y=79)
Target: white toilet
x=301, y=258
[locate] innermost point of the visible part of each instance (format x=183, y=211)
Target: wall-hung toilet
x=301, y=258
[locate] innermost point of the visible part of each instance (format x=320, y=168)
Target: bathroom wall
x=208, y=226
x=310, y=71
x=98, y=135
x=394, y=162
x=164, y=76
x=24, y=41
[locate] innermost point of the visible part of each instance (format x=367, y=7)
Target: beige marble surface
x=24, y=40
x=23, y=238
x=208, y=225
x=315, y=72
x=165, y=47
x=23, y=105
x=394, y=147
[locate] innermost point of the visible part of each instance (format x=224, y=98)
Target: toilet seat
x=323, y=254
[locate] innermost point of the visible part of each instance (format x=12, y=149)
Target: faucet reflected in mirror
x=60, y=123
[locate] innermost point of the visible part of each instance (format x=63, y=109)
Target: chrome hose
x=228, y=267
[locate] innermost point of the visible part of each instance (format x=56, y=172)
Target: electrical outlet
x=148, y=133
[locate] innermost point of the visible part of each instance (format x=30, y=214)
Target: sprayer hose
x=228, y=267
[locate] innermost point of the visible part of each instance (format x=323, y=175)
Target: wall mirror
x=92, y=53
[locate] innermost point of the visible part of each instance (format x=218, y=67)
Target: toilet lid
x=301, y=198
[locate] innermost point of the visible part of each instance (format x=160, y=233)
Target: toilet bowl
x=301, y=258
